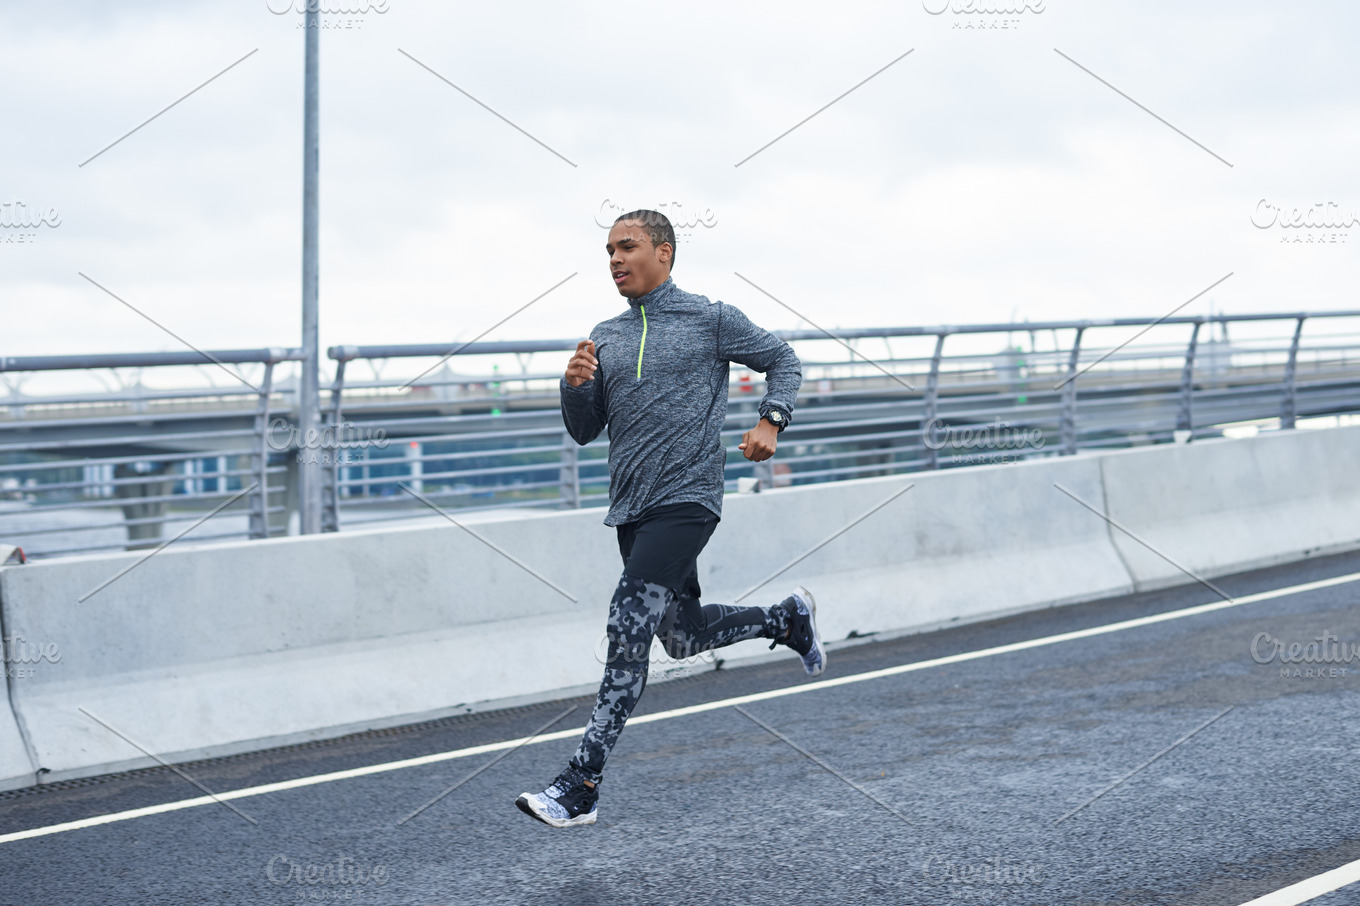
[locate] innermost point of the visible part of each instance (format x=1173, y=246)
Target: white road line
x=1312, y=888
x=676, y=712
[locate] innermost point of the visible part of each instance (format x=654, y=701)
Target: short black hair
x=658, y=226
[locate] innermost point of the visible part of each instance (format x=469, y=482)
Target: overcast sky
x=987, y=175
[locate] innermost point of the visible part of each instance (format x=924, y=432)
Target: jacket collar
x=657, y=299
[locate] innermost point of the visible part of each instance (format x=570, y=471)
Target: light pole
x=309, y=402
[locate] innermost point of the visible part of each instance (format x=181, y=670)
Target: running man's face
x=636, y=266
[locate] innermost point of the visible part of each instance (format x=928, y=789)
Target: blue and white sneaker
x=565, y=803
x=802, y=636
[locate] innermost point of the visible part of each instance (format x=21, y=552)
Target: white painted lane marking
x=1311, y=888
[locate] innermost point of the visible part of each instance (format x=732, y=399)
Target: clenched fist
x=759, y=443
x=582, y=366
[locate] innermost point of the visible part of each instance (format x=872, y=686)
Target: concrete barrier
x=229, y=647
x=232, y=646
x=16, y=769
x=18, y=663
x=1221, y=506
x=959, y=545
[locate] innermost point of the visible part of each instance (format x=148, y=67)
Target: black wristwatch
x=777, y=418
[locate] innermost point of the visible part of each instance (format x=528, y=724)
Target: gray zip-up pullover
x=661, y=387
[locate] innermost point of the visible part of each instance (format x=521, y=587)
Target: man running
x=657, y=376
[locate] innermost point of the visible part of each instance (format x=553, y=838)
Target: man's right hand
x=582, y=366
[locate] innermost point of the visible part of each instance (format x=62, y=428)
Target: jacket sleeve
x=583, y=408
x=748, y=344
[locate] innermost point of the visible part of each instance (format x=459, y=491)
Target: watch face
x=776, y=416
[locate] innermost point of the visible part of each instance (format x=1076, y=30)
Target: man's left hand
x=758, y=444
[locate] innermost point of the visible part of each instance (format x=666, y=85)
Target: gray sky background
x=982, y=177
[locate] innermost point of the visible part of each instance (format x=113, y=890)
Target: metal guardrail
x=112, y=471
x=883, y=401
x=472, y=442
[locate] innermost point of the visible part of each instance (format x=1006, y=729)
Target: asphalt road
x=975, y=780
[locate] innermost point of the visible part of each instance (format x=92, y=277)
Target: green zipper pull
x=644, y=340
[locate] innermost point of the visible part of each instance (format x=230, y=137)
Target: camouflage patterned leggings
x=640, y=610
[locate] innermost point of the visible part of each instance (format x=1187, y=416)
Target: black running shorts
x=662, y=545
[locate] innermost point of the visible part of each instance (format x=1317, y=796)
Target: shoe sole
x=526, y=806
x=806, y=595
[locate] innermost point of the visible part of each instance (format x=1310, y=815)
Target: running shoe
x=565, y=803
x=803, y=636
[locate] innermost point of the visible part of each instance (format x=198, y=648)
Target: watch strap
x=767, y=409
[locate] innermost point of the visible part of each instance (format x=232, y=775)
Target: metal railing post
x=330, y=500
x=931, y=403
x=569, y=474
x=1184, y=416
x=1067, y=425
x=1290, y=402
x=259, y=498
x=764, y=473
